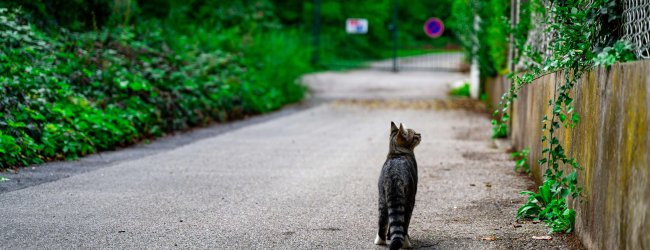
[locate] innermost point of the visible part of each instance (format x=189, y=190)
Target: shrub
x=68, y=94
x=276, y=70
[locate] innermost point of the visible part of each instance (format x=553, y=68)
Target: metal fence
x=635, y=27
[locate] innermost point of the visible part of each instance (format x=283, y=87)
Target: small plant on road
x=499, y=129
x=549, y=204
x=461, y=91
x=521, y=158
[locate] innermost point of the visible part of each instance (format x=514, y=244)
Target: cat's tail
x=396, y=244
x=396, y=214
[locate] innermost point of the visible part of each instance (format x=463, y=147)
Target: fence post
x=475, y=72
x=394, y=34
x=315, y=56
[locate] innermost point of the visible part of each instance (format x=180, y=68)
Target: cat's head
x=403, y=138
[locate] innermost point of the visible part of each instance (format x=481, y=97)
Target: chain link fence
x=635, y=27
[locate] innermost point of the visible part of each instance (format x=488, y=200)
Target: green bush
x=68, y=94
x=497, y=40
x=462, y=23
x=276, y=70
x=492, y=38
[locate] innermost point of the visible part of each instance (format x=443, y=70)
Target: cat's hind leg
x=383, y=225
x=409, y=213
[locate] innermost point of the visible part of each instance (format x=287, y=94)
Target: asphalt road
x=302, y=180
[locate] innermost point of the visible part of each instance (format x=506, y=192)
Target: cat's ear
x=393, y=127
x=402, y=130
x=401, y=135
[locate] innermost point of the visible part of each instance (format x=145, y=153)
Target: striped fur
x=397, y=188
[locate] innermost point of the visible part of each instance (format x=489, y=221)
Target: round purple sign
x=433, y=27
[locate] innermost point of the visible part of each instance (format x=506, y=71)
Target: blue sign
x=433, y=27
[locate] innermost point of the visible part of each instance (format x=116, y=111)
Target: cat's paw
x=407, y=242
x=379, y=241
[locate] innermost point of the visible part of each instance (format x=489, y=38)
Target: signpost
x=433, y=27
x=356, y=26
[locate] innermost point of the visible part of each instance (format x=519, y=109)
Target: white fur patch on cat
x=407, y=242
x=379, y=241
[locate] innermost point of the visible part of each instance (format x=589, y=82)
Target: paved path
x=303, y=180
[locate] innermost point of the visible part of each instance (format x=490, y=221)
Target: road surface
x=302, y=180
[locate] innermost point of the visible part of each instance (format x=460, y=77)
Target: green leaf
x=554, y=141
x=555, y=124
x=575, y=118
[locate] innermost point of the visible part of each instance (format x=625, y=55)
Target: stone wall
x=611, y=143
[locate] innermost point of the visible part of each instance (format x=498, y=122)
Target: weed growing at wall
x=460, y=91
x=521, y=160
x=499, y=129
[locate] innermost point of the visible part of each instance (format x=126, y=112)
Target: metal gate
x=392, y=41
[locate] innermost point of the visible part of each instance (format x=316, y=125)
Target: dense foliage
x=75, y=79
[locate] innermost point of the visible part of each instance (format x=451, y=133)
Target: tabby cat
x=397, y=186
